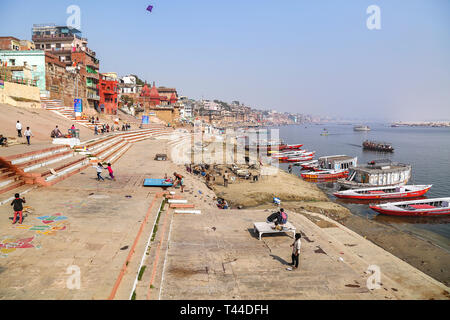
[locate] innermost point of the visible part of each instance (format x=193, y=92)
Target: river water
x=427, y=149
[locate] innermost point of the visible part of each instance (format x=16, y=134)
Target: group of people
x=28, y=134
x=100, y=168
x=105, y=128
x=202, y=170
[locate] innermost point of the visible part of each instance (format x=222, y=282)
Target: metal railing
x=18, y=80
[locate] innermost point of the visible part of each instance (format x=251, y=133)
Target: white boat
x=408, y=191
x=361, y=128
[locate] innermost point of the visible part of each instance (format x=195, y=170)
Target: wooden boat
x=293, y=146
x=294, y=154
x=325, y=174
x=415, y=208
x=297, y=159
x=409, y=191
x=286, y=152
x=310, y=165
x=377, y=146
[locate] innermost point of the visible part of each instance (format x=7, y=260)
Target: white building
x=128, y=84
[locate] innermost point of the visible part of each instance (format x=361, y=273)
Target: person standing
x=99, y=172
x=290, y=168
x=19, y=129
x=226, y=176
x=18, y=207
x=111, y=172
x=95, y=130
x=28, y=135
x=179, y=180
x=296, y=250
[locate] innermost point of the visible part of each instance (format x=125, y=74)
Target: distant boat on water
x=361, y=128
x=325, y=132
x=377, y=146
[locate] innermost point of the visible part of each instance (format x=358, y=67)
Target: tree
x=139, y=82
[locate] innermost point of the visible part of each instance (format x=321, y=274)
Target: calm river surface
x=427, y=149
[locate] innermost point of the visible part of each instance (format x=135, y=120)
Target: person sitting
x=278, y=218
x=56, y=133
x=167, y=179
x=3, y=141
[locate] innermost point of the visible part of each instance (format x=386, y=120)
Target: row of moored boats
x=341, y=167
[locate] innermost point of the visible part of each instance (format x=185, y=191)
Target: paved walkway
x=95, y=230
x=217, y=256
x=98, y=228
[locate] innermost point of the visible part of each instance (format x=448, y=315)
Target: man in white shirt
x=28, y=135
x=19, y=128
x=296, y=250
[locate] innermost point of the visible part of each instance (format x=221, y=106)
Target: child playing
x=111, y=173
x=18, y=207
x=99, y=168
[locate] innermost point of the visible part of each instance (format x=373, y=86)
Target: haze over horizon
x=295, y=56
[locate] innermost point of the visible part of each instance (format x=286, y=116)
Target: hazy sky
x=312, y=56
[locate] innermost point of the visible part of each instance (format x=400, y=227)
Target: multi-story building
x=127, y=85
x=9, y=43
x=89, y=65
x=108, y=90
x=72, y=50
x=34, y=60
x=63, y=84
x=61, y=40
x=27, y=45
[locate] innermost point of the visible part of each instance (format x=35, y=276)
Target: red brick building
x=108, y=91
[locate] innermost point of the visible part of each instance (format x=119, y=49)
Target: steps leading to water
x=45, y=167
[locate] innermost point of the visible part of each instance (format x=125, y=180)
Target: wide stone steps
x=45, y=167
x=7, y=197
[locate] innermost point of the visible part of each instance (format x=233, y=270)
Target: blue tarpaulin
x=156, y=183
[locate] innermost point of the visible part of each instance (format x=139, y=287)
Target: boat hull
x=324, y=176
x=394, y=195
x=404, y=213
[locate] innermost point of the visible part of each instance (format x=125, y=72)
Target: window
x=58, y=45
x=42, y=46
x=48, y=46
x=34, y=67
x=12, y=62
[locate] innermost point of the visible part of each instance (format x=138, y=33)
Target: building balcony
x=92, y=75
x=56, y=37
x=92, y=96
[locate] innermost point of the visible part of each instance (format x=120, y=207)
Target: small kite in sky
x=149, y=8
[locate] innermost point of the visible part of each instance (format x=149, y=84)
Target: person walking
x=28, y=134
x=111, y=172
x=226, y=176
x=19, y=129
x=95, y=130
x=18, y=207
x=296, y=250
x=99, y=172
x=290, y=168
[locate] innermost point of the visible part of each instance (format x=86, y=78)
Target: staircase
x=57, y=107
x=23, y=172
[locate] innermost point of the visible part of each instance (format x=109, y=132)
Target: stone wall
x=20, y=95
x=62, y=84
